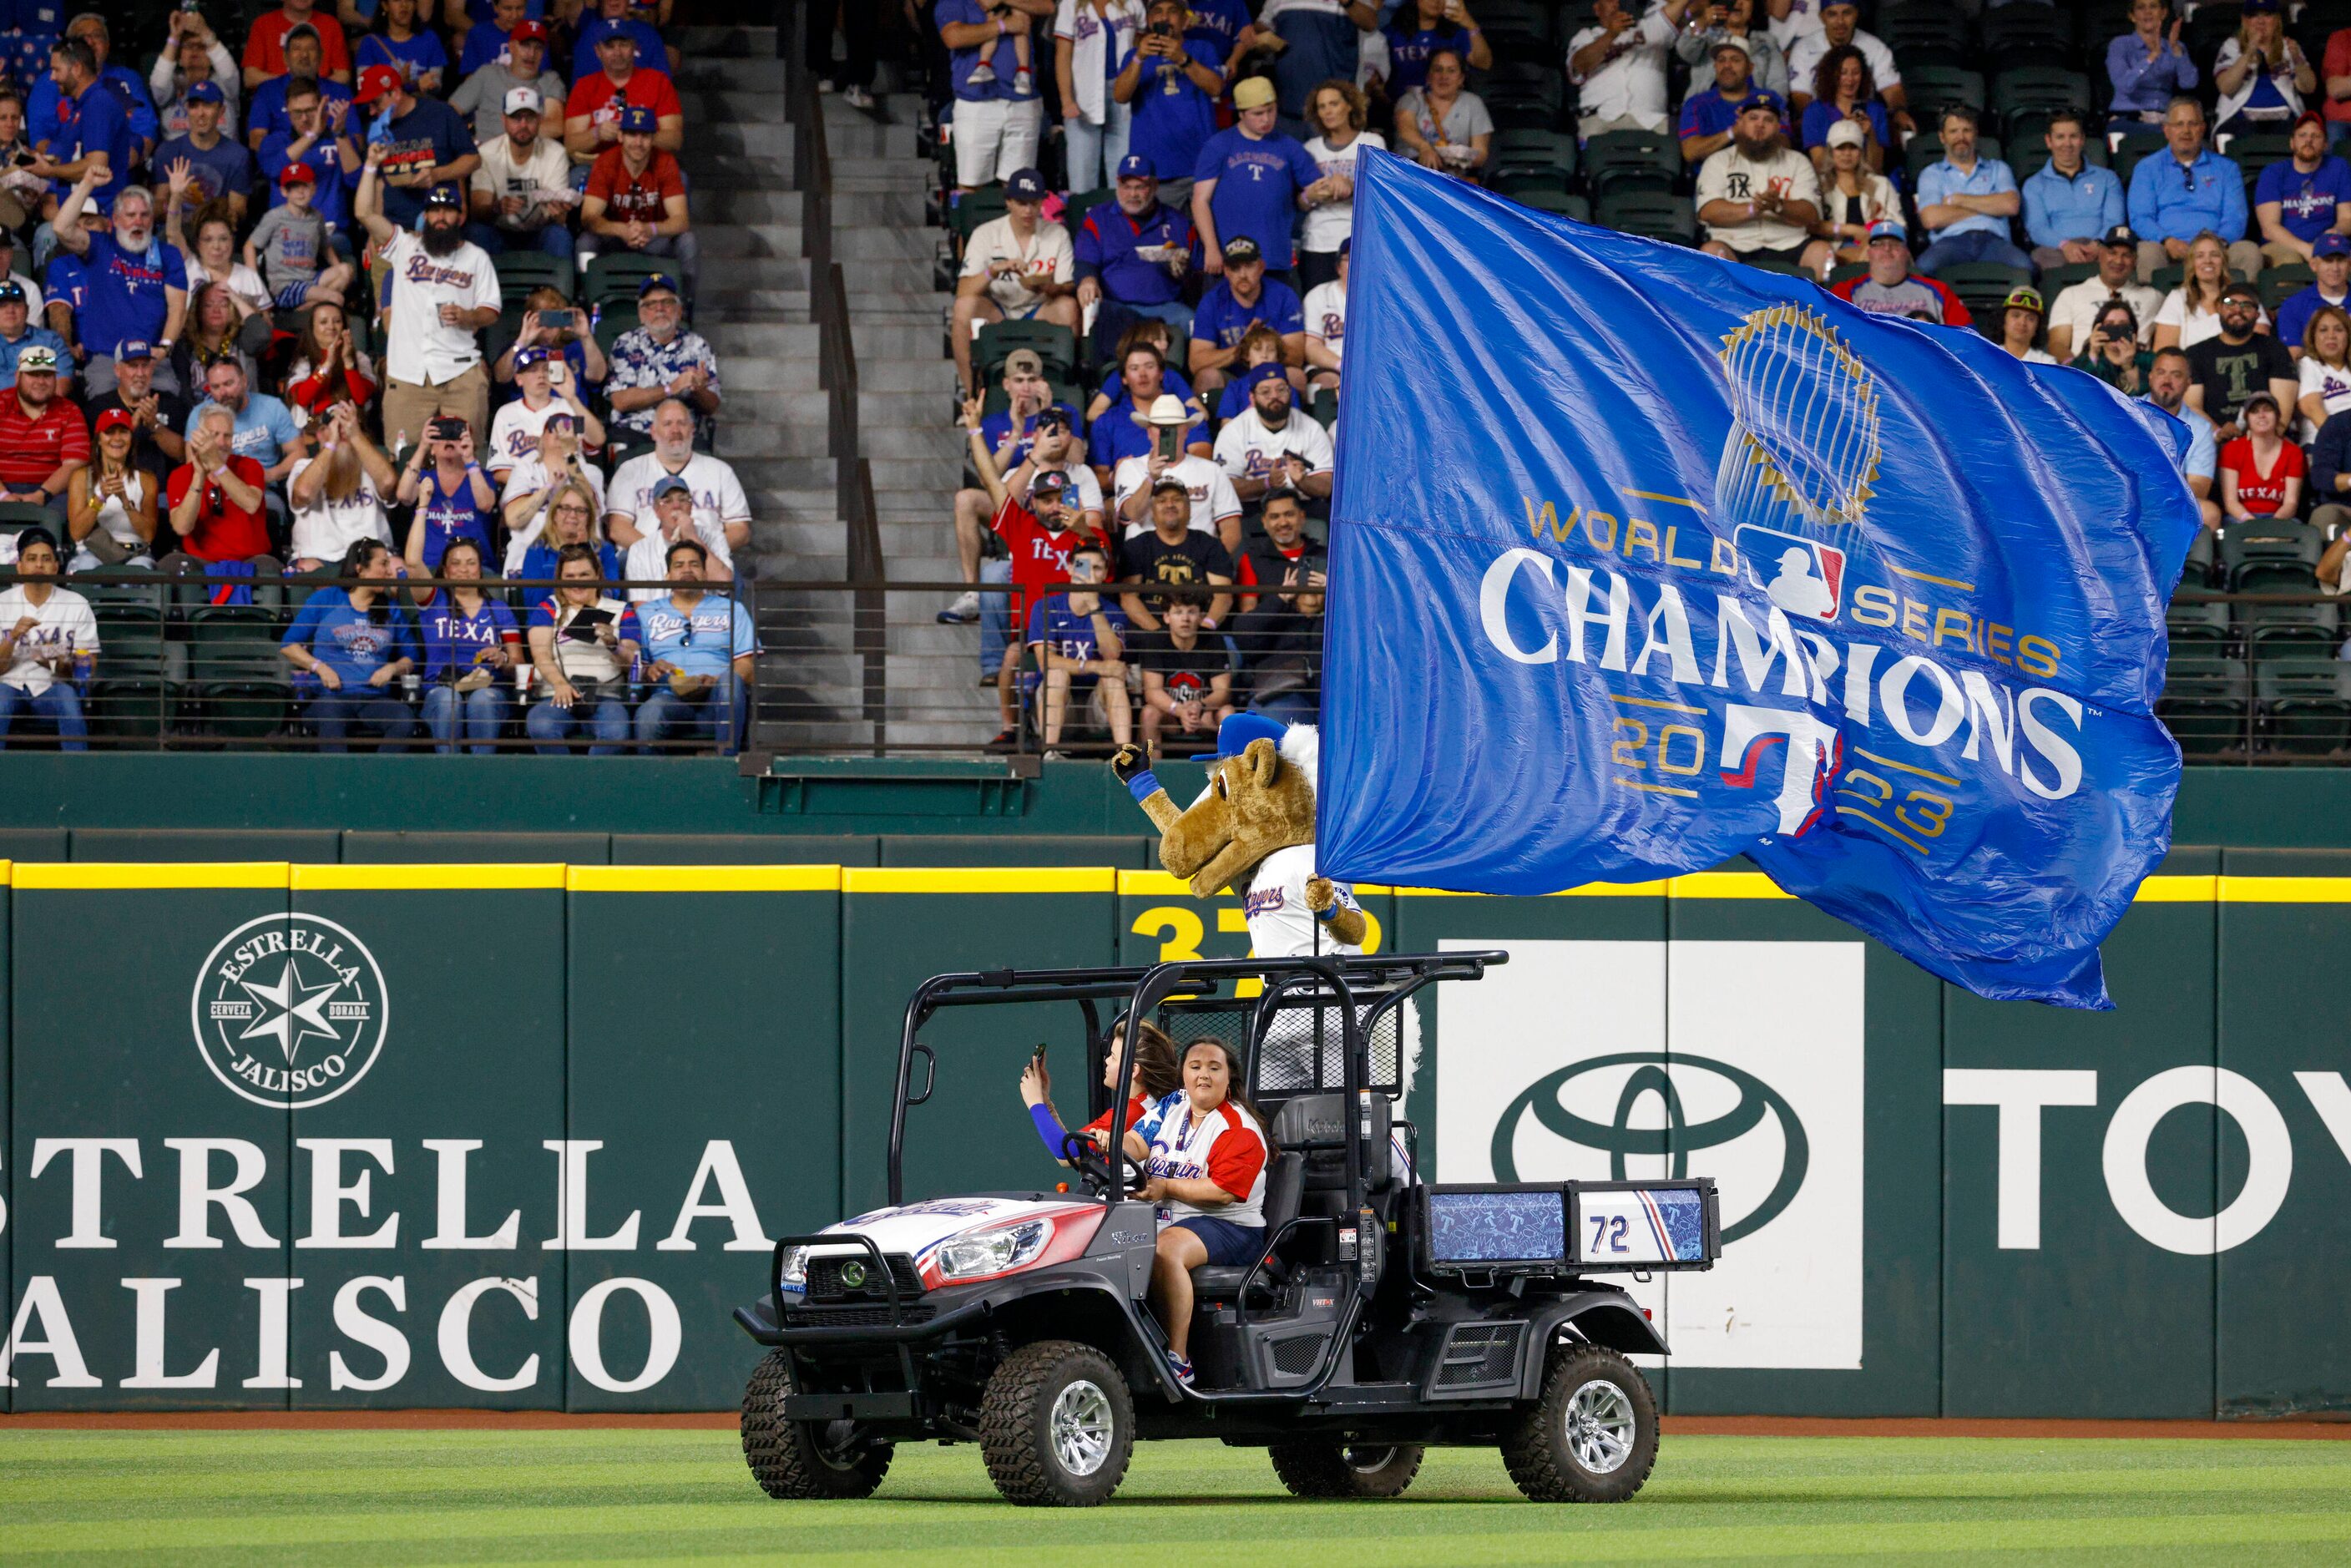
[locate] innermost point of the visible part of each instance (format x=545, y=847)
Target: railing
x=2260, y=681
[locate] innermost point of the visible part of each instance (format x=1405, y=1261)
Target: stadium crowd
x=1149, y=201
x=395, y=288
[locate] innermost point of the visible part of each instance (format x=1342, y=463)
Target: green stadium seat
x=240, y=685
x=520, y=271
x=1560, y=203
x=616, y=275
x=2023, y=35
x=1630, y=161
x=1983, y=288
x=1933, y=88
x=2050, y=87
x=2301, y=703
x=1056, y=346
x=1654, y=214
x=1533, y=153
x=972, y=209
x=2055, y=279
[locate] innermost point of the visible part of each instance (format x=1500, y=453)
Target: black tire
x=1345, y=1470
x=1056, y=1425
x=1591, y=1436
x=790, y=1458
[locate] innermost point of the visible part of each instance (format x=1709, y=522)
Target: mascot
x=1252, y=829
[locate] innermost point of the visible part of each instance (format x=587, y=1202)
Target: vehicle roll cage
x=1335, y=982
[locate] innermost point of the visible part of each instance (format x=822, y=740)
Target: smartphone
x=557, y=319
x=1168, y=442
x=446, y=430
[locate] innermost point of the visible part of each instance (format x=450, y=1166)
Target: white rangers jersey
x=1281, y=926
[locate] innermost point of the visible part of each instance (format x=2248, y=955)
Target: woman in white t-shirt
x=110, y=504
x=2191, y=312
x=338, y=495
x=1092, y=39
x=1338, y=110
x=2324, y=368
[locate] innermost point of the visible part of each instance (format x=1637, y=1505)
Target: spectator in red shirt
x=265, y=44
x=637, y=201
x=216, y=501
x=43, y=437
x=2261, y=472
x=592, y=115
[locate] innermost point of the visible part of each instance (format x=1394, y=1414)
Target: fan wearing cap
x=1039, y=534
x=425, y=143
x=192, y=53
x=523, y=189
x=2261, y=472
x=43, y=437
x=319, y=133
x=1758, y=197
x=441, y=291
x=45, y=630
x=266, y=54
x=111, y=512
x=1132, y=253
x=2263, y=75
x=484, y=92
x=548, y=389
x=2076, y=306
x=637, y=201
x=1211, y=506
x=591, y=113
x=1852, y=195
x=658, y=360
x=1244, y=296
x=1017, y=267
x=159, y=417
x=1173, y=555
x=18, y=333
x=1271, y=443
x=1749, y=23
x=218, y=167
x=2330, y=265
x=2301, y=198
x=289, y=247
x=608, y=17
x=1251, y=182
x=400, y=42
x=1709, y=117
x=2070, y=202
x=2021, y=320
x=1890, y=289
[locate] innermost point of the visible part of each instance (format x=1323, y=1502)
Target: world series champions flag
x=1642, y=560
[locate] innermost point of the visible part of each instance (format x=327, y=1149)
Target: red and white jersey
x=1227, y=1146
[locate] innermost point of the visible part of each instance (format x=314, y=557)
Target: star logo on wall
x=291, y=1010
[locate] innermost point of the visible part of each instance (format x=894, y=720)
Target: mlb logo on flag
x=1801, y=576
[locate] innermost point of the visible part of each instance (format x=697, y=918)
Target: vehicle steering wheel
x=1093, y=1166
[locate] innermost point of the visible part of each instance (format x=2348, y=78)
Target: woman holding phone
x=453, y=499
x=1155, y=1082
x=582, y=642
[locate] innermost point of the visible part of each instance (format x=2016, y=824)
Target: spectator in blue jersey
x=2069, y=202
x=1223, y=28
x=453, y=498
x=219, y=166
x=46, y=111
x=2301, y=197
x=1030, y=400
x=1314, y=41
x=264, y=431
x=612, y=16
x=2148, y=66
x=1965, y=202
x=998, y=117
x=401, y=41
x=318, y=135
x=1173, y=82
x=1249, y=182
x=699, y=647
x=581, y=644
x=2184, y=190
x=486, y=41
x=1079, y=635
x=427, y=143
x=1709, y=116
x=349, y=643
x=1421, y=27
x=131, y=284
x=472, y=646
x=1244, y=296
x=267, y=110
x=95, y=136
x=2330, y=265
x=1132, y=255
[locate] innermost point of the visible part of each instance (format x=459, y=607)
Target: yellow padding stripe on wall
x=86, y=875
x=485, y=877
x=705, y=879
x=978, y=879
x=2279, y=889
x=7, y=869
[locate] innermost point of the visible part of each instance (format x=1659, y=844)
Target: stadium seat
x=2279, y=284
x=1080, y=203
x=2024, y=35
x=242, y=687
x=2302, y=703
x=613, y=318
x=2207, y=696
x=520, y=271
x=1983, y=288
x=2281, y=554
x=2212, y=24
x=1549, y=154
x=1846, y=271
x=1563, y=204
x=2131, y=145
x=1933, y=88
x=972, y=209
x=1528, y=19
x=1629, y=160
x=2042, y=86
x=1652, y=214
x=1924, y=33
x=2064, y=276
x=1056, y=345
x=130, y=695
x=615, y=275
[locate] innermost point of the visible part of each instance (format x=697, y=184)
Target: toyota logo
x=1654, y=1074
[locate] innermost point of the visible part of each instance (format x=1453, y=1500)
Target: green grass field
x=621, y=1496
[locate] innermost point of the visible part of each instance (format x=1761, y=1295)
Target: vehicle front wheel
x=1345, y=1470
x=804, y=1458
x=1056, y=1425
x=1591, y=1436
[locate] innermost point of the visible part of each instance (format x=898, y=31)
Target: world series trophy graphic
x=1799, y=468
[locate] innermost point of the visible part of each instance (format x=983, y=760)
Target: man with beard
x=722, y=512
x=132, y=283
x=441, y=291
x=43, y=437
x=2167, y=388
x=1758, y=197
x=1267, y=444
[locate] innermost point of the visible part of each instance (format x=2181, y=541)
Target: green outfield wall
x=382, y=1129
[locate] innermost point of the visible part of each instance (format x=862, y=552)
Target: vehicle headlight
x=795, y=1271
x=980, y=1252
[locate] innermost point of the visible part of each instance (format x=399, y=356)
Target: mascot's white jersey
x=1281, y=926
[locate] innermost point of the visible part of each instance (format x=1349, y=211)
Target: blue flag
x=1640, y=561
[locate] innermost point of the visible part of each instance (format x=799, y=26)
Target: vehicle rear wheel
x=1591, y=1436
x=1056, y=1425
x=1345, y=1470
x=804, y=1458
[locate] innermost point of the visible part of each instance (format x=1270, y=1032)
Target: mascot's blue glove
x=1133, y=769
x=1048, y=1127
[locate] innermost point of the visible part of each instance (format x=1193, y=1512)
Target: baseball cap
x=1758, y=100
x=299, y=30
x=116, y=419
x=638, y=120
x=297, y=174
x=2240, y=291
x=2121, y=234
x=374, y=83
x=1265, y=372
x=2330, y=244
x=656, y=283
x=1026, y=186
x=528, y=32
x=1887, y=228
x=1845, y=133
x=525, y=100
x=1135, y=166
x=207, y=92
x=2025, y=299
x=1023, y=362
x=1170, y=482
x=2258, y=7
x=1346, y=245
x=1731, y=41
x=1233, y=735
x=36, y=361
x=670, y=484
x=1052, y=481
x=133, y=349
x=444, y=196
x=1252, y=93
x=1242, y=248
x=12, y=293
x=534, y=355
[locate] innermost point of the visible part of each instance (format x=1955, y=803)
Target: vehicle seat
x=1283, y=1186
x=1322, y=1119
